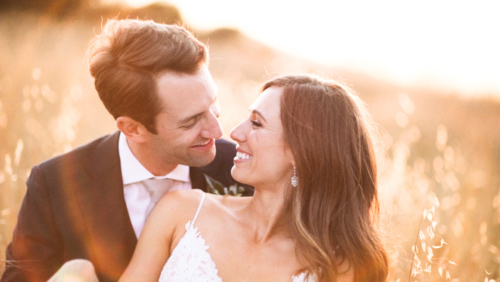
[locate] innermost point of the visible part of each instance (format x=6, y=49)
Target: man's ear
x=133, y=130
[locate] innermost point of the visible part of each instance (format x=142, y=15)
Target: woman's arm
x=76, y=270
x=155, y=241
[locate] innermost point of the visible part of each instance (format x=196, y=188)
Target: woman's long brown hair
x=334, y=208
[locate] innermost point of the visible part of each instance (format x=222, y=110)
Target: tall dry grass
x=439, y=154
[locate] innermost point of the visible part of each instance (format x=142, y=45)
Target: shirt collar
x=133, y=171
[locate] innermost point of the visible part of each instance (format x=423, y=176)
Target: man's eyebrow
x=190, y=118
x=259, y=114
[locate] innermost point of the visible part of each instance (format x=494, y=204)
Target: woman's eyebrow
x=259, y=114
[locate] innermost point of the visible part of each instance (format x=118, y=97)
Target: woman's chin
x=239, y=176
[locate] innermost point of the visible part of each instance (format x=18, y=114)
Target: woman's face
x=262, y=157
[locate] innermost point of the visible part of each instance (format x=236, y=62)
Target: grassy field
x=439, y=154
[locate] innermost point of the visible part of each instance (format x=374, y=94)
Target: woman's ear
x=292, y=159
x=133, y=130
x=288, y=153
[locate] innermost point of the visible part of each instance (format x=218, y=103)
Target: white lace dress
x=191, y=262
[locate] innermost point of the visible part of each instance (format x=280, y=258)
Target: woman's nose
x=238, y=133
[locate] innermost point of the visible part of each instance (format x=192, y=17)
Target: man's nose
x=216, y=109
x=213, y=128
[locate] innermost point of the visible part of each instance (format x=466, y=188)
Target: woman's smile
x=242, y=156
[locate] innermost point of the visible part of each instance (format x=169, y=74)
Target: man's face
x=188, y=124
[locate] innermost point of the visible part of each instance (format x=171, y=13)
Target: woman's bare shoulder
x=226, y=202
x=181, y=198
x=180, y=205
x=184, y=196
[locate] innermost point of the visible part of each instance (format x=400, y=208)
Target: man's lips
x=204, y=146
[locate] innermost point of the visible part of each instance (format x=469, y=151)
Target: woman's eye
x=255, y=123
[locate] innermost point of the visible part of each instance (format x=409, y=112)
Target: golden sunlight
x=444, y=44
x=437, y=152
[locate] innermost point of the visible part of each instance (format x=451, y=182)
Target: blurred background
x=429, y=73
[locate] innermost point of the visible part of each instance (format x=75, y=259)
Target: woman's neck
x=265, y=214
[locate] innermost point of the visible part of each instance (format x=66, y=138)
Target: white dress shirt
x=137, y=196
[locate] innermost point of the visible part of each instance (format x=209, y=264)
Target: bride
x=306, y=148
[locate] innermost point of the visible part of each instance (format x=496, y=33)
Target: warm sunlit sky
x=448, y=44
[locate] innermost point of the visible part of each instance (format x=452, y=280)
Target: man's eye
x=255, y=123
x=191, y=124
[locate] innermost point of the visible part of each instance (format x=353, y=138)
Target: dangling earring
x=295, y=179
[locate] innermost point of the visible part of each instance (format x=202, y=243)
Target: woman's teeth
x=243, y=156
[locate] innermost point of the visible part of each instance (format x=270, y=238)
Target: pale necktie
x=157, y=188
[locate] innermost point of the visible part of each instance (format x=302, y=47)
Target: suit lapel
x=197, y=178
x=111, y=235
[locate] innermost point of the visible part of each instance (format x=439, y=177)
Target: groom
x=92, y=202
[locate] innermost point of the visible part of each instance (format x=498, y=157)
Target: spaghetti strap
x=199, y=208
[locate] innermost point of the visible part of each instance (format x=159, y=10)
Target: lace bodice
x=190, y=260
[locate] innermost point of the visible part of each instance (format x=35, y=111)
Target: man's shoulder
x=225, y=143
x=85, y=151
x=225, y=148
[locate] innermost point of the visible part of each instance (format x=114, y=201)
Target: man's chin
x=206, y=159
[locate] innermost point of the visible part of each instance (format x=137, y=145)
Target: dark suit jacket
x=75, y=208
